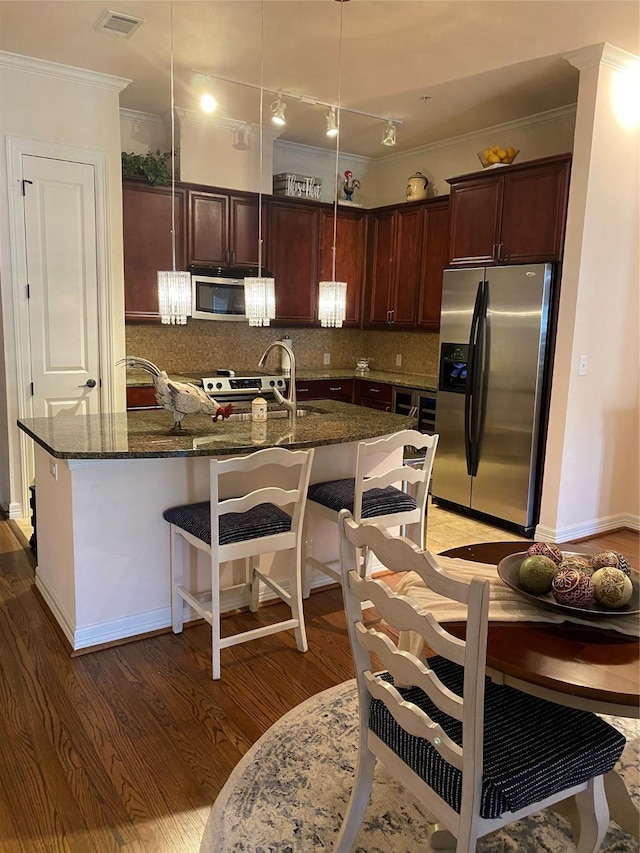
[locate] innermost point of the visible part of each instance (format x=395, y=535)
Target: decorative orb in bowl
x=497, y=156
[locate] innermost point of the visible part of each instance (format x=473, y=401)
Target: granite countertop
x=423, y=382
x=144, y=434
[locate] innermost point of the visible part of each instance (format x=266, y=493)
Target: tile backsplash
x=203, y=346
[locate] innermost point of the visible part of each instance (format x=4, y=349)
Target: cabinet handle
x=232, y=258
x=226, y=257
x=500, y=251
x=374, y=390
x=392, y=313
x=302, y=389
x=337, y=388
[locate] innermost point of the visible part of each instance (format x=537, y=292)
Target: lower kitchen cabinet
x=374, y=395
x=146, y=219
x=325, y=389
x=141, y=397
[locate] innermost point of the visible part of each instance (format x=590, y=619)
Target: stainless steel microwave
x=218, y=294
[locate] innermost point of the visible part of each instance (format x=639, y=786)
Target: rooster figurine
x=180, y=398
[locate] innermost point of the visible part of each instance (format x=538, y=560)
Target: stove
x=241, y=388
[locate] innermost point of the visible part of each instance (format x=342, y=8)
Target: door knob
x=90, y=383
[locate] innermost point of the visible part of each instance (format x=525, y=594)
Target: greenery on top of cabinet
x=155, y=167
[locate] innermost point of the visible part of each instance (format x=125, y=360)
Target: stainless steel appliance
x=494, y=330
x=218, y=294
x=229, y=388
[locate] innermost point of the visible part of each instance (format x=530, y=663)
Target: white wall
x=55, y=104
x=143, y=132
x=591, y=478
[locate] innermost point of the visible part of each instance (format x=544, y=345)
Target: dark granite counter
x=144, y=434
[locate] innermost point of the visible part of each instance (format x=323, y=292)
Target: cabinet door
x=374, y=395
x=351, y=243
x=293, y=259
x=243, y=231
x=475, y=220
x=435, y=256
x=533, y=214
x=381, y=291
x=325, y=389
x=407, y=271
x=208, y=229
x=147, y=245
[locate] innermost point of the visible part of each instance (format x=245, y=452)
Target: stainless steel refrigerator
x=494, y=329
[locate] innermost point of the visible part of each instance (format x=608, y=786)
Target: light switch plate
x=582, y=365
x=399, y=360
x=327, y=358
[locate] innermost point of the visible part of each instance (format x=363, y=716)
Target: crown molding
x=321, y=152
x=601, y=54
x=44, y=68
x=138, y=115
x=224, y=123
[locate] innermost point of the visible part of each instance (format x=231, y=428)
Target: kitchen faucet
x=290, y=403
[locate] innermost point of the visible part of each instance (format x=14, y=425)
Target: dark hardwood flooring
x=125, y=749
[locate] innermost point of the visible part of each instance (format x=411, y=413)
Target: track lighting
x=278, y=108
x=332, y=123
x=208, y=103
x=389, y=134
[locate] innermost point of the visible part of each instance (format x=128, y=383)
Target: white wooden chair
x=252, y=522
x=478, y=755
x=394, y=495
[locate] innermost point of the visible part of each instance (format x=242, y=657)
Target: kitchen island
x=103, y=481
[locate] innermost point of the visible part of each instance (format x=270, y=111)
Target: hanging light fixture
x=277, y=108
x=332, y=295
x=174, y=286
x=259, y=291
x=332, y=124
x=389, y=134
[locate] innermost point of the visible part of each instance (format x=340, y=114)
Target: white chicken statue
x=180, y=398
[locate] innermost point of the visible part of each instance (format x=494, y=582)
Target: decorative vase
x=417, y=187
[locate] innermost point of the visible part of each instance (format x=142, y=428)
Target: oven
x=226, y=387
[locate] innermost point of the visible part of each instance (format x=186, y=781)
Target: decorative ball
x=610, y=558
x=572, y=588
x=575, y=561
x=546, y=549
x=536, y=573
x=612, y=587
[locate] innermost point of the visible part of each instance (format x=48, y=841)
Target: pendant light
x=174, y=286
x=259, y=291
x=332, y=295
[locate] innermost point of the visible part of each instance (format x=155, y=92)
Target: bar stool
x=393, y=495
x=252, y=522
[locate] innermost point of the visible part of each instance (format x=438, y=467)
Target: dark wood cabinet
x=141, y=397
x=374, y=395
x=325, y=389
x=396, y=236
x=351, y=244
x=147, y=245
x=510, y=216
x=435, y=255
x=292, y=258
x=223, y=229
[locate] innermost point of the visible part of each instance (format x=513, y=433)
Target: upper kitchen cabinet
x=292, y=258
x=146, y=219
x=351, y=246
x=512, y=215
x=435, y=256
x=223, y=229
x=396, y=244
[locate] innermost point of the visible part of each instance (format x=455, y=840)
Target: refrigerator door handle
x=470, y=387
x=477, y=380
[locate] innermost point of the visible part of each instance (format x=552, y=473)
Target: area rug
x=289, y=792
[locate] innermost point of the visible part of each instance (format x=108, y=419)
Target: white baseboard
x=131, y=627
x=594, y=527
x=15, y=510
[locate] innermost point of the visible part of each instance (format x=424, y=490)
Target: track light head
x=278, y=108
x=332, y=122
x=389, y=135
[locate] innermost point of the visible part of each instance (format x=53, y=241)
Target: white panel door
x=60, y=229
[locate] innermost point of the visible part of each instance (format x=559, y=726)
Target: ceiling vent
x=118, y=24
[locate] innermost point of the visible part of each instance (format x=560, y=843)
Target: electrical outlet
x=582, y=365
x=398, y=360
x=327, y=358
x=53, y=469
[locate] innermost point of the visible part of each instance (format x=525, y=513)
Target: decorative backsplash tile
x=203, y=346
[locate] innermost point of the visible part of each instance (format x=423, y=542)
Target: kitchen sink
x=271, y=414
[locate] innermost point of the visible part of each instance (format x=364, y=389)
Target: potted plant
x=154, y=167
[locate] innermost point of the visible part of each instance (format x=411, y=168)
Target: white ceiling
x=480, y=62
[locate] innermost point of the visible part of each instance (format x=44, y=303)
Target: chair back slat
x=400, y=610
x=271, y=494
x=413, y=719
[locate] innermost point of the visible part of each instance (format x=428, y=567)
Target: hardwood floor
x=125, y=749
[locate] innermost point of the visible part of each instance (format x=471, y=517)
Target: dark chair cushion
x=338, y=494
x=532, y=748
x=263, y=520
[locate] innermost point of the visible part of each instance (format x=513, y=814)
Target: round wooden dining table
x=593, y=669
